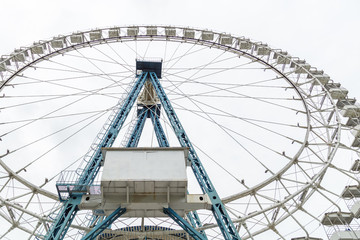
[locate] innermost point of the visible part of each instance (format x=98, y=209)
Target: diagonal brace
x=136, y=133
x=160, y=134
x=184, y=224
x=100, y=227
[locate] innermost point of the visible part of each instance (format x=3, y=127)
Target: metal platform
x=67, y=184
x=144, y=181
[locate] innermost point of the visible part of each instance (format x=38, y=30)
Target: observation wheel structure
x=273, y=141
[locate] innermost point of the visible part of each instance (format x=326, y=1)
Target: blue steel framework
x=153, y=111
x=104, y=224
x=69, y=209
x=184, y=224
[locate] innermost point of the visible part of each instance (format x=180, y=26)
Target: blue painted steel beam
x=67, y=213
x=64, y=218
x=159, y=132
x=104, y=224
x=222, y=217
x=195, y=222
x=136, y=134
x=184, y=224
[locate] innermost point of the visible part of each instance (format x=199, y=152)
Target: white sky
x=323, y=32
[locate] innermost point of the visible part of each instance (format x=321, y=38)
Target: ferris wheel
x=270, y=142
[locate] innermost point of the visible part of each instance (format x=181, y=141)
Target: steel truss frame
x=69, y=210
x=151, y=111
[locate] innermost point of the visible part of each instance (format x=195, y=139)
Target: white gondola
x=245, y=45
x=151, y=31
x=282, y=57
x=322, y=78
x=352, y=122
x=18, y=57
x=208, y=36
x=57, y=43
x=355, y=209
x=132, y=31
x=76, y=38
x=302, y=68
x=38, y=49
x=356, y=131
x=296, y=62
x=337, y=218
x=114, y=32
x=171, y=32
x=279, y=53
x=336, y=91
x=226, y=40
x=263, y=50
x=313, y=72
x=351, y=192
x=346, y=235
x=2, y=67
x=95, y=35
x=352, y=111
x=344, y=102
x=356, y=142
x=189, y=33
x=356, y=166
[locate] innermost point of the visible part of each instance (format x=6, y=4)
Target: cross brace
x=159, y=132
x=135, y=135
x=104, y=224
x=64, y=219
x=184, y=224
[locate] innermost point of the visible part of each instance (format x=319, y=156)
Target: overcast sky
x=323, y=32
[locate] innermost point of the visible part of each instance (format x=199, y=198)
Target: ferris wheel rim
x=214, y=44
x=188, y=40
